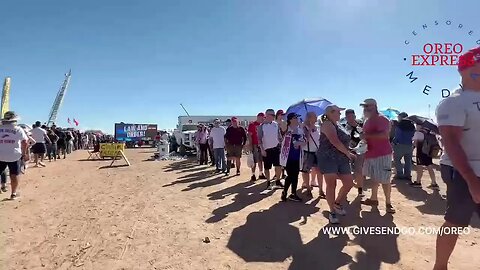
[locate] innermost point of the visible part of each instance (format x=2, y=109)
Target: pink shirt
x=201, y=137
x=377, y=147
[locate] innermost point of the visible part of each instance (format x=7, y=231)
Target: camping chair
x=95, y=153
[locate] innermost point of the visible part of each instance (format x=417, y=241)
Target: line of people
x=19, y=144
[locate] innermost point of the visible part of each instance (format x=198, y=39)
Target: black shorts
x=272, y=158
x=39, y=148
x=460, y=205
x=13, y=167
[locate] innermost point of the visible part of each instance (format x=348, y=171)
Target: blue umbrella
x=390, y=113
x=316, y=105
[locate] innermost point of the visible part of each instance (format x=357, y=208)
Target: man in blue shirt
x=403, y=147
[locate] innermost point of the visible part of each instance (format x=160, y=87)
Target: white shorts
x=379, y=169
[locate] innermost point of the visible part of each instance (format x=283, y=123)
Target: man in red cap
x=253, y=139
x=458, y=117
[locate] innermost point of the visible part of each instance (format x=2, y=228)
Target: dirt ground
x=155, y=214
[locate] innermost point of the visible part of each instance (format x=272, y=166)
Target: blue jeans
x=406, y=152
x=220, y=159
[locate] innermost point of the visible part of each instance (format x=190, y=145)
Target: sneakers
x=340, y=210
x=294, y=197
x=238, y=173
x=370, y=202
x=433, y=186
x=332, y=217
x=253, y=178
x=360, y=193
x=416, y=184
x=322, y=195
x=262, y=177
x=284, y=197
x=14, y=196
x=4, y=189
x=278, y=184
x=390, y=209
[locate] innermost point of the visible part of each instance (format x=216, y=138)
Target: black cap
x=403, y=114
x=290, y=116
x=349, y=111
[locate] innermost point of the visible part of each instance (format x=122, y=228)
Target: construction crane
x=5, y=96
x=59, y=99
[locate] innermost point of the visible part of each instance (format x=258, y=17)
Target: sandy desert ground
x=77, y=214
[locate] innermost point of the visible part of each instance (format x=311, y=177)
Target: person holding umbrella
x=334, y=159
x=310, y=163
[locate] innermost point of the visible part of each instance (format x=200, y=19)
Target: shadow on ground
x=245, y=193
x=267, y=236
x=181, y=165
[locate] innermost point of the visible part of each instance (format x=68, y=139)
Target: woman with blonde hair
x=334, y=161
x=310, y=164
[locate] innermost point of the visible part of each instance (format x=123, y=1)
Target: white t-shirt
x=462, y=109
x=269, y=134
x=313, y=141
x=38, y=134
x=217, y=135
x=418, y=136
x=10, y=142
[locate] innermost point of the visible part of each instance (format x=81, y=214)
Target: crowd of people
x=20, y=144
x=322, y=148
x=372, y=147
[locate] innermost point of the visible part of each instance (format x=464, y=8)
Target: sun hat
x=369, y=101
x=330, y=108
x=10, y=116
x=290, y=116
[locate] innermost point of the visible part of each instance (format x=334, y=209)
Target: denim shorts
x=333, y=166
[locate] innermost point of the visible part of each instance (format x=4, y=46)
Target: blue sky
x=136, y=61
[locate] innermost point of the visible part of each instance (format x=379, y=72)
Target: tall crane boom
x=59, y=99
x=6, y=96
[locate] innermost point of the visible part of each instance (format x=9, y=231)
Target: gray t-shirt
x=462, y=109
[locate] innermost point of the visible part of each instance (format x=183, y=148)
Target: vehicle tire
x=183, y=150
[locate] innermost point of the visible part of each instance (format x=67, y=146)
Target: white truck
x=187, y=126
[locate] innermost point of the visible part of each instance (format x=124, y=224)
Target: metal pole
x=185, y=110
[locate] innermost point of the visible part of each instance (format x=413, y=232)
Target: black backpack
x=431, y=146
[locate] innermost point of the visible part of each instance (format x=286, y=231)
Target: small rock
x=206, y=240
x=74, y=239
x=43, y=265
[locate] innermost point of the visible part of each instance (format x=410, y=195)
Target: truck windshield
x=189, y=127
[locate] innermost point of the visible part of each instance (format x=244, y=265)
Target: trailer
x=136, y=134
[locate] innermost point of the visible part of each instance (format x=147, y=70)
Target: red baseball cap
x=469, y=59
x=261, y=114
x=280, y=112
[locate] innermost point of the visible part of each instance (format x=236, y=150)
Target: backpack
x=431, y=146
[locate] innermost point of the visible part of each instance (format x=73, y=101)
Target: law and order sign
x=435, y=54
